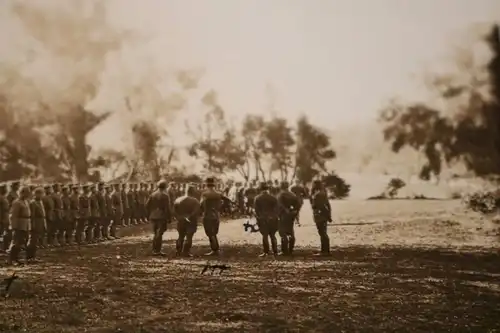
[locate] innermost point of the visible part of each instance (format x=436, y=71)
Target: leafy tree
x=394, y=185
x=278, y=141
x=336, y=186
x=252, y=133
x=313, y=151
x=471, y=133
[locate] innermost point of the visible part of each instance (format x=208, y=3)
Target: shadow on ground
x=118, y=287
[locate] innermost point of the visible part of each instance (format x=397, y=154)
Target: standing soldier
x=4, y=215
x=110, y=213
x=142, y=197
x=74, y=216
x=20, y=218
x=288, y=204
x=38, y=224
x=250, y=194
x=93, y=221
x=83, y=214
x=116, y=201
x=159, y=213
x=101, y=222
x=58, y=214
x=322, y=213
x=131, y=204
x=68, y=225
x=187, y=213
x=12, y=196
x=266, y=212
x=301, y=193
x=211, y=202
x=48, y=205
x=126, y=206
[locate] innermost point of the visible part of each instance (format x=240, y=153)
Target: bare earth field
x=397, y=266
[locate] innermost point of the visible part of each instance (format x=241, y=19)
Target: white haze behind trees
x=291, y=57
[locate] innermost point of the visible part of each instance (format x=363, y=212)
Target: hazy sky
x=336, y=60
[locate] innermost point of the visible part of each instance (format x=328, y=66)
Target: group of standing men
x=33, y=216
x=275, y=208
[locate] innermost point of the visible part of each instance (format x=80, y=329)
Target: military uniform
x=116, y=201
x=187, y=213
x=131, y=204
x=266, y=212
x=159, y=213
x=289, y=205
x=48, y=205
x=95, y=214
x=126, y=206
x=4, y=213
x=38, y=224
x=75, y=224
x=84, y=214
x=211, y=202
x=58, y=219
x=68, y=221
x=11, y=196
x=301, y=193
x=101, y=222
x=20, y=220
x=322, y=215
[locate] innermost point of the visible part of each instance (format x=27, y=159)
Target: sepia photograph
x=220, y=166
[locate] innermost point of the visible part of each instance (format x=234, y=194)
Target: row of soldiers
x=275, y=212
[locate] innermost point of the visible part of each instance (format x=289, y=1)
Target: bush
x=336, y=186
x=485, y=202
x=393, y=187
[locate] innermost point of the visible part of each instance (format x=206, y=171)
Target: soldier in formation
x=39, y=216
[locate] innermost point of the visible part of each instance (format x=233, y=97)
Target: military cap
x=75, y=187
x=47, y=187
x=56, y=185
x=38, y=190
x=284, y=184
x=162, y=184
x=210, y=181
x=264, y=186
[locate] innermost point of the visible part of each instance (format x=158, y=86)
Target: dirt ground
x=397, y=266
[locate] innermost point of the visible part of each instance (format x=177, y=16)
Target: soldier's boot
x=61, y=238
x=325, y=245
x=7, y=238
x=112, y=231
x=291, y=244
x=14, y=255
x=97, y=233
x=78, y=237
x=88, y=235
x=274, y=244
x=179, y=243
x=265, y=245
x=188, y=243
x=284, y=246
x=214, y=246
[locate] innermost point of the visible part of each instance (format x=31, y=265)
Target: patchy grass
x=384, y=287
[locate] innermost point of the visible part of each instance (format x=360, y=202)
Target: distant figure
x=301, y=193
x=322, y=213
x=159, y=213
x=20, y=220
x=187, y=213
x=289, y=205
x=211, y=202
x=266, y=211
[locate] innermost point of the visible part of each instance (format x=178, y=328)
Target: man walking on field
x=187, y=213
x=159, y=213
x=211, y=202
x=322, y=213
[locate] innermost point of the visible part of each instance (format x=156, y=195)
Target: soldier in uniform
x=58, y=214
x=250, y=194
x=83, y=214
x=49, y=206
x=93, y=221
x=211, y=202
x=300, y=192
x=172, y=193
x=4, y=214
x=142, y=197
x=126, y=206
x=322, y=213
x=159, y=213
x=101, y=220
x=38, y=224
x=116, y=201
x=266, y=212
x=110, y=213
x=288, y=204
x=74, y=223
x=187, y=213
x=131, y=204
x=195, y=190
x=12, y=196
x=20, y=219
x=68, y=222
